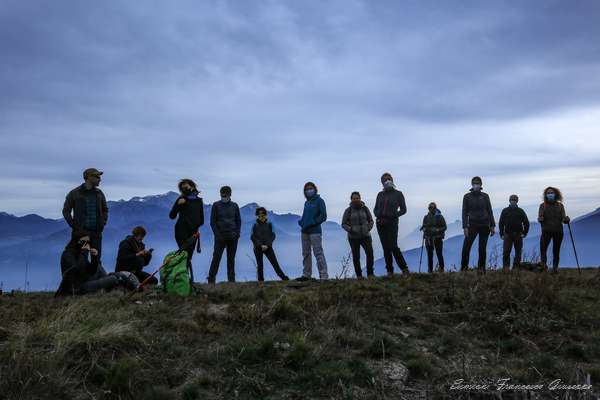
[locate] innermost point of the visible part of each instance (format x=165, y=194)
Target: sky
x=266, y=95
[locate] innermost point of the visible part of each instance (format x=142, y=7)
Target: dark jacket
x=389, y=206
x=191, y=216
x=74, y=209
x=225, y=220
x=513, y=220
x=434, y=225
x=358, y=222
x=127, y=259
x=313, y=215
x=551, y=216
x=477, y=210
x=76, y=270
x=263, y=234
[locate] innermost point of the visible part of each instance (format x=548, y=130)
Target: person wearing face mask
x=513, y=227
x=434, y=230
x=552, y=216
x=478, y=221
x=226, y=225
x=85, y=208
x=358, y=222
x=133, y=256
x=189, y=211
x=263, y=236
x=81, y=272
x=313, y=215
x=389, y=207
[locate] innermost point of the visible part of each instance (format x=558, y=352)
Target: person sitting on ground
x=133, y=256
x=263, y=236
x=81, y=272
x=552, y=216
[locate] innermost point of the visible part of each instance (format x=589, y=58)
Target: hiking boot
x=371, y=276
x=302, y=279
x=285, y=278
x=405, y=271
x=390, y=274
x=554, y=270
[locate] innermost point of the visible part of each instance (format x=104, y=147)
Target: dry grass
x=341, y=339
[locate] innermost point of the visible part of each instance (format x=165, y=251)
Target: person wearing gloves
x=477, y=221
x=389, y=207
x=552, y=216
x=358, y=222
x=434, y=229
x=513, y=227
x=313, y=215
x=263, y=236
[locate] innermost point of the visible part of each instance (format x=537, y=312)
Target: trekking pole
x=421, y=258
x=574, y=249
x=167, y=261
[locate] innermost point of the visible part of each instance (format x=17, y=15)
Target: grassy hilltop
x=404, y=337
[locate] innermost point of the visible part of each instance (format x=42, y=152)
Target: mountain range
x=30, y=246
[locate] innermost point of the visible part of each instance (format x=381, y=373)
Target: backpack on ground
x=174, y=276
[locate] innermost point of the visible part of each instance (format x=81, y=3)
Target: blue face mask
x=550, y=196
x=513, y=204
x=309, y=192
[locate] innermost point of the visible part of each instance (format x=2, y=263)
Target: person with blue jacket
x=313, y=216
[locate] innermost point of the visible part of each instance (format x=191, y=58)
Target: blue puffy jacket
x=313, y=216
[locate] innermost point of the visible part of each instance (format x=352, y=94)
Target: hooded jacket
x=76, y=269
x=477, y=210
x=434, y=225
x=313, y=215
x=357, y=221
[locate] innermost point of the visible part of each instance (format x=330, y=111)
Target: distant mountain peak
x=251, y=206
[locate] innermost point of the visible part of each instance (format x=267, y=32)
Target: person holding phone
x=81, y=272
x=133, y=256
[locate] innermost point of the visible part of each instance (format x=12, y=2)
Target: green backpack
x=174, y=275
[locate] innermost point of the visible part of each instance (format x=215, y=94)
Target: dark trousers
x=484, y=234
x=99, y=281
x=512, y=240
x=189, y=249
x=142, y=275
x=220, y=246
x=388, y=235
x=270, y=254
x=556, y=238
x=367, y=245
x=438, y=245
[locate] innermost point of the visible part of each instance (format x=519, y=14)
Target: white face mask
x=388, y=184
x=225, y=199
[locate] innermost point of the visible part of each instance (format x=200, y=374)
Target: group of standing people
x=85, y=210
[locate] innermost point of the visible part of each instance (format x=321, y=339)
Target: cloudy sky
x=266, y=95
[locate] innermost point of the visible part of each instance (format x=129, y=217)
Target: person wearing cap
x=477, y=221
x=513, y=227
x=85, y=209
x=226, y=224
x=389, y=207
